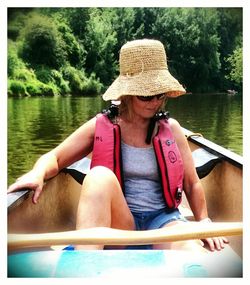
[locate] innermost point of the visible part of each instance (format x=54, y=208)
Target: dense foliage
x=75, y=50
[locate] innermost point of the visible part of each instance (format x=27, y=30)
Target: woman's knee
x=100, y=179
x=101, y=175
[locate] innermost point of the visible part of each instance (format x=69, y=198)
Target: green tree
x=42, y=42
x=75, y=53
x=123, y=23
x=99, y=43
x=145, y=19
x=230, y=31
x=191, y=39
x=77, y=19
x=63, y=18
x=235, y=61
x=16, y=21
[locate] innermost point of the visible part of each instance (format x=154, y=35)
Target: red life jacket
x=107, y=152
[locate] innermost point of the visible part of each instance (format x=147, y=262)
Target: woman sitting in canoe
x=141, y=161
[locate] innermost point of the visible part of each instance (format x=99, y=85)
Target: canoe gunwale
x=16, y=198
x=221, y=152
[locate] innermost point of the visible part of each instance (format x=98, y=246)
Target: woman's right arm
x=73, y=148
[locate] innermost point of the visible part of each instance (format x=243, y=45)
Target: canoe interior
x=223, y=189
x=55, y=211
x=57, y=207
x=124, y=264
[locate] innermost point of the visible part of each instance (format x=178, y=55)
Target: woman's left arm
x=192, y=185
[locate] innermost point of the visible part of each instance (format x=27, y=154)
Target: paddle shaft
x=108, y=236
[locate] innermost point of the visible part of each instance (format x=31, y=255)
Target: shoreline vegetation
x=64, y=51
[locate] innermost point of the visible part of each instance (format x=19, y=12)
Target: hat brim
x=147, y=83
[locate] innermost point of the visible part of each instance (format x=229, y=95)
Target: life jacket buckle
x=178, y=194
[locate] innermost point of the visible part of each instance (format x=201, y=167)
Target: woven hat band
x=135, y=60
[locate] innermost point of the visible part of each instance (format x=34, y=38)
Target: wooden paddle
x=108, y=236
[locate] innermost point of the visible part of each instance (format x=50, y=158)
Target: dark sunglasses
x=150, y=98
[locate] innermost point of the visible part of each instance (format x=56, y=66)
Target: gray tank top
x=143, y=191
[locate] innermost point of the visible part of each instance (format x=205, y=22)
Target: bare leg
x=181, y=245
x=102, y=204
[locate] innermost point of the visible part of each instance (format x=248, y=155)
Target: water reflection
x=218, y=117
x=36, y=125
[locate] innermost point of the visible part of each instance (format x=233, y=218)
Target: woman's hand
x=215, y=243
x=31, y=180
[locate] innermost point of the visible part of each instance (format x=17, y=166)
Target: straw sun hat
x=143, y=72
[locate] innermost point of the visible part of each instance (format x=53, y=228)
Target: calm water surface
x=36, y=125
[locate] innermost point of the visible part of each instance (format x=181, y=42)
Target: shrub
x=34, y=89
x=16, y=88
x=14, y=62
x=79, y=84
x=24, y=74
x=43, y=74
x=92, y=85
x=60, y=82
x=75, y=78
x=53, y=78
x=49, y=90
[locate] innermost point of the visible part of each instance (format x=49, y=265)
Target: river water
x=36, y=125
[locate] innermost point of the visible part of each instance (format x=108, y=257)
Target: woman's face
x=146, y=109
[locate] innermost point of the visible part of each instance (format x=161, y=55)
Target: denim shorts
x=154, y=220
x=150, y=221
